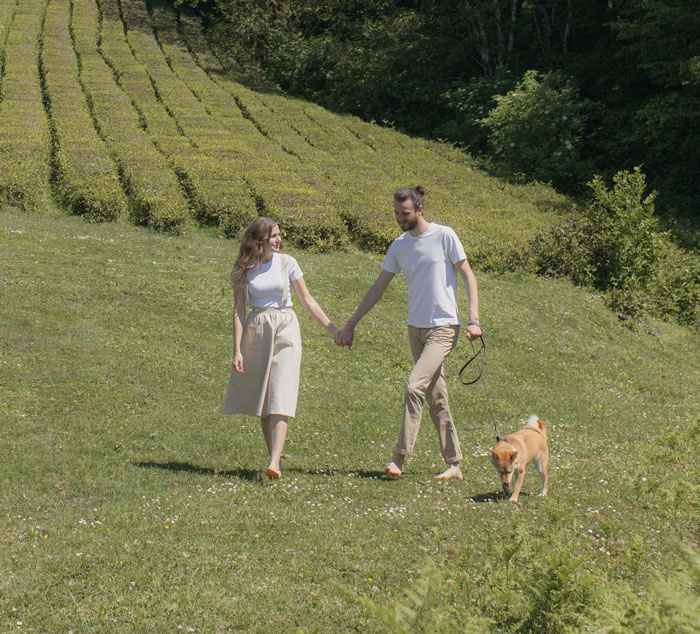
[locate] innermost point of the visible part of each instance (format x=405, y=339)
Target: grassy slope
x=130, y=504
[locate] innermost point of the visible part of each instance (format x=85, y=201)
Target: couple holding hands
x=264, y=378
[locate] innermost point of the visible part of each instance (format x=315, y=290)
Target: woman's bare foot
x=453, y=471
x=273, y=474
x=395, y=467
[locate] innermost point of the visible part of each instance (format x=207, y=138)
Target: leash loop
x=480, y=352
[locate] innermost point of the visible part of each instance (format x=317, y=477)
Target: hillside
x=130, y=504
x=116, y=110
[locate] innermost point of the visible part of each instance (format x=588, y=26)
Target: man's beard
x=410, y=225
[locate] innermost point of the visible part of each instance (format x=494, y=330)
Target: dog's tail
x=535, y=423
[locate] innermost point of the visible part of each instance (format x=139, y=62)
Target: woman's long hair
x=252, y=248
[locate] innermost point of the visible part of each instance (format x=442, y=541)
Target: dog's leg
x=519, y=476
x=542, y=465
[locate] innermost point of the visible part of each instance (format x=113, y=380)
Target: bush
x=676, y=287
x=151, y=187
x=470, y=102
x=614, y=246
x=536, y=128
x=624, y=246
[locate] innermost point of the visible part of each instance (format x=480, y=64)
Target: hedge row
x=344, y=167
x=7, y=12
x=496, y=221
x=283, y=187
x=271, y=122
x=152, y=187
x=188, y=138
x=86, y=176
x=176, y=121
x=325, y=161
x=24, y=132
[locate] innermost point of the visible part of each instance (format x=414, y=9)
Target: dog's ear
x=494, y=455
x=513, y=456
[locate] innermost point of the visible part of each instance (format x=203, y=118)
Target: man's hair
x=410, y=193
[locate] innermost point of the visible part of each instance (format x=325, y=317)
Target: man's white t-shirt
x=265, y=282
x=428, y=261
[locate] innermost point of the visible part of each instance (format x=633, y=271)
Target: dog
x=511, y=455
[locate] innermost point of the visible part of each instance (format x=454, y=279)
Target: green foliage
x=612, y=245
x=681, y=594
x=623, y=244
x=470, y=102
x=536, y=128
x=675, y=289
x=420, y=610
x=558, y=595
x=672, y=608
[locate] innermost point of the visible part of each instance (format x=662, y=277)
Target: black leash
x=480, y=352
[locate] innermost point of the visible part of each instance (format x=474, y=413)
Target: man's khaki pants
x=429, y=347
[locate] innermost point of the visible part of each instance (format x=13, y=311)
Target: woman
x=267, y=344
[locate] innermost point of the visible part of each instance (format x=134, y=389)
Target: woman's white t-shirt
x=265, y=282
x=428, y=262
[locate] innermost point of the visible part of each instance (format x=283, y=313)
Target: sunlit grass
x=130, y=504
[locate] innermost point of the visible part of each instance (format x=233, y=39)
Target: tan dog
x=511, y=455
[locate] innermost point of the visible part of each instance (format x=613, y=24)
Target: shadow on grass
x=495, y=496
x=360, y=473
x=251, y=475
x=254, y=475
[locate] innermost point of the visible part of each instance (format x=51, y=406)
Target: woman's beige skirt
x=269, y=383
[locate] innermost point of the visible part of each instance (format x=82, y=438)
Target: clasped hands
x=342, y=337
x=345, y=336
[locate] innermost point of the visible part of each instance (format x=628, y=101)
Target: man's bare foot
x=393, y=470
x=273, y=474
x=395, y=467
x=453, y=471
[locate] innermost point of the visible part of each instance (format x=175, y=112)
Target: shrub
x=421, y=608
x=676, y=287
x=222, y=126
x=536, y=129
x=614, y=246
x=624, y=246
x=470, y=102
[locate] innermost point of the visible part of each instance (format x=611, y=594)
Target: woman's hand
x=237, y=362
x=333, y=331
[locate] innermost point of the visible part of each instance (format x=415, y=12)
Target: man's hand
x=474, y=331
x=345, y=336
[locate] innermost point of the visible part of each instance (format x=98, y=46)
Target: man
x=431, y=256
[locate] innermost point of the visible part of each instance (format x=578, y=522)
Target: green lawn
x=129, y=504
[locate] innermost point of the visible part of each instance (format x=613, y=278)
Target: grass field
x=129, y=504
